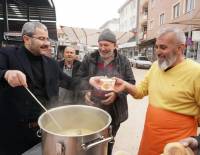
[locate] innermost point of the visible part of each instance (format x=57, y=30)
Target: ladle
x=50, y=115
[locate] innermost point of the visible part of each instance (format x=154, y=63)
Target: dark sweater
x=37, y=69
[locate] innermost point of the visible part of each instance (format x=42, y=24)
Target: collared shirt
x=68, y=69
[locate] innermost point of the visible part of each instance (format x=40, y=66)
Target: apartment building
x=128, y=16
x=157, y=14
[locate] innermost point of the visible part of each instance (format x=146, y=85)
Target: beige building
x=157, y=14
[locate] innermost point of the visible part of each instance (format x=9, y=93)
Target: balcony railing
x=142, y=36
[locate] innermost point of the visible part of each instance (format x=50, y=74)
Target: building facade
x=157, y=14
x=128, y=16
x=128, y=13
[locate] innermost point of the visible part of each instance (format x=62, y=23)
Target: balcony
x=144, y=3
x=143, y=19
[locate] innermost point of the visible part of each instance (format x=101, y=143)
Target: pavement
x=129, y=135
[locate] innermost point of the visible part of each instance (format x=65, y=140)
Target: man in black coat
x=106, y=62
x=26, y=66
x=70, y=66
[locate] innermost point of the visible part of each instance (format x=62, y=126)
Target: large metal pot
x=78, y=130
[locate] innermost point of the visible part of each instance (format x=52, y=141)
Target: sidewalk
x=129, y=134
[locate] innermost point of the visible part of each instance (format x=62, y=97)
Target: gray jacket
x=119, y=109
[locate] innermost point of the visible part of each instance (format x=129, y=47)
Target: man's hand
x=95, y=81
x=110, y=98
x=190, y=142
x=120, y=85
x=15, y=78
x=88, y=99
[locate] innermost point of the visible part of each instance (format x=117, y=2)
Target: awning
x=147, y=43
x=21, y=11
x=127, y=45
x=194, y=21
x=32, y=2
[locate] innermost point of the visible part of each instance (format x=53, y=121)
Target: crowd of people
x=172, y=85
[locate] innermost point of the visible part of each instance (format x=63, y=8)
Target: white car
x=142, y=62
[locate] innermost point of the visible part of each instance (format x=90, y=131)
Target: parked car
x=142, y=62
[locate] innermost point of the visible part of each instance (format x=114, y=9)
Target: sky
x=86, y=13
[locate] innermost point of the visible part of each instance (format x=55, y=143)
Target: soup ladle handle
x=53, y=119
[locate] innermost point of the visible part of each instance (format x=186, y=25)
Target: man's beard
x=69, y=59
x=167, y=62
x=107, y=55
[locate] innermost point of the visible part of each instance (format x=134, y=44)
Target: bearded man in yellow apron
x=173, y=87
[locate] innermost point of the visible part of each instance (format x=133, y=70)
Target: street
x=129, y=134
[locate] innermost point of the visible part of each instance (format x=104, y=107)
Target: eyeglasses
x=41, y=38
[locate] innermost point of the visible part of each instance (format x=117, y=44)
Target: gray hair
x=30, y=27
x=69, y=48
x=179, y=34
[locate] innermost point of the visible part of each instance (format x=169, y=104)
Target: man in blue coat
x=26, y=66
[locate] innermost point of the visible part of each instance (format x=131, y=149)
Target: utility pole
x=86, y=42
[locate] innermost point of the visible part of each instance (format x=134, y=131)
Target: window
x=146, y=11
x=162, y=18
x=189, y=5
x=152, y=3
x=145, y=28
x=176, y=10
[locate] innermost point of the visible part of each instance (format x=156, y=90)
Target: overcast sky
x=86, y=13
